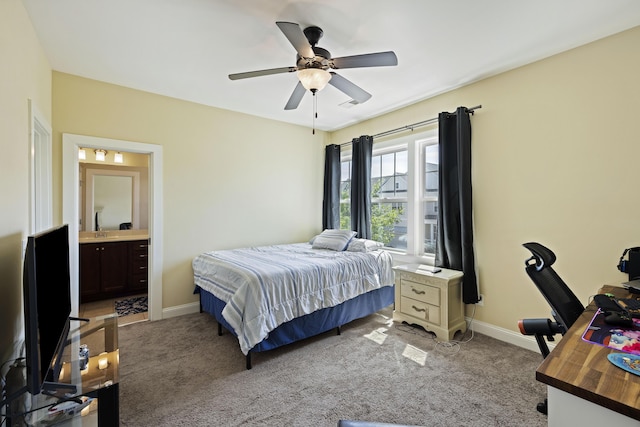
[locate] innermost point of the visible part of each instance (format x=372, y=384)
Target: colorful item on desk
x=628, y=362
x=615, y=337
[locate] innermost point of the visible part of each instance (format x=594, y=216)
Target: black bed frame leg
x=248, y=360
x=338, y=330
x=219, y=329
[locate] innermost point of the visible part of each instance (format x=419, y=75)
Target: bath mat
x=133, y=305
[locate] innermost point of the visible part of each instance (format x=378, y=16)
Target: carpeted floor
x=178, y=372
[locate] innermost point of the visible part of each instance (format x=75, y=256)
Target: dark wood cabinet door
x=114, y=266
x=90, y=280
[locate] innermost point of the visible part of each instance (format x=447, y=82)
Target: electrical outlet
x=481, y=302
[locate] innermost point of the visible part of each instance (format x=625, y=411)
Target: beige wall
x=230, y=180
x=555, y=160
x=24, y=74
x=555, y=151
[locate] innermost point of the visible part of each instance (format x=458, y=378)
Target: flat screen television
x=47, y=305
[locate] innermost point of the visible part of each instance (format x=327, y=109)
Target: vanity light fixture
x=117, y=158
x=82, y=154
x=101, y=154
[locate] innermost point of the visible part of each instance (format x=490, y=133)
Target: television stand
x=98, y=381
x=58, y=389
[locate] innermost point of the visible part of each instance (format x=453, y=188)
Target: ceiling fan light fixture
x=314, y=79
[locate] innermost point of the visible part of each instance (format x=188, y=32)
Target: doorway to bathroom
x=72, y=212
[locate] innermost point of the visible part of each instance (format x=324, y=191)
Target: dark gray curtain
x=331, y=200
x=455, y=223
x=361, y=186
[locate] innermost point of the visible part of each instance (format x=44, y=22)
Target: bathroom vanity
x=113, y=263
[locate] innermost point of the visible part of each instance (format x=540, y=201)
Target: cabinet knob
x=417, y=291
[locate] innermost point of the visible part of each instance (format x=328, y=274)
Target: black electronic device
x=630, y=266
x=632, y=286
x=47, y=306
x=614, y=314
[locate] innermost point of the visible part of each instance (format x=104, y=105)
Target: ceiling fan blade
x=379, y=59
x=259, y=73
x=296, y=37
x=357, y=93
x=296, y=97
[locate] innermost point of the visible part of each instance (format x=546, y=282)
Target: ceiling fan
x=313, y=63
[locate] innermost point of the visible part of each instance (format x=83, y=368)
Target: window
x=404, y=194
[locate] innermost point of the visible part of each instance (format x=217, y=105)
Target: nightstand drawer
x=421, y=310
x=420, y=292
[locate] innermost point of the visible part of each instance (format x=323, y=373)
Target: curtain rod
x=411, y=126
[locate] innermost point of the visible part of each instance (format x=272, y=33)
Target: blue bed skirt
x=310, y=324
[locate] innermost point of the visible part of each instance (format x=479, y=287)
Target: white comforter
x=270, y=285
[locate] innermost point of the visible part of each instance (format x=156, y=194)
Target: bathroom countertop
x=112, y=236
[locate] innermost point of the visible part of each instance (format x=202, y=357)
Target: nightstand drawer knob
x=415, y=291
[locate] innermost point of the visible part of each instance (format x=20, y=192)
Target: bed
x=270, y=296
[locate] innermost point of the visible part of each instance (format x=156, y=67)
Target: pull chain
x=315, y=111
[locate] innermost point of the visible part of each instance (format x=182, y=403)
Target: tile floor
x=99, y=308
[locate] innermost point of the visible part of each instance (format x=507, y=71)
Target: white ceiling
x=186, y=48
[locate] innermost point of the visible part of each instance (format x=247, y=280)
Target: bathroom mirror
x=112, y=201
x=111, y=197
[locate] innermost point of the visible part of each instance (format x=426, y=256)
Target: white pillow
x=336, y=240
x=363, y=245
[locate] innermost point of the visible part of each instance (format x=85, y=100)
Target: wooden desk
x=581, y=381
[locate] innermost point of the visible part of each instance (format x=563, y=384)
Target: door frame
x=40, y=166
x=71, y=143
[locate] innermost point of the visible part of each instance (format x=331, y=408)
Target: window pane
x=345, y=215
x=345, y=190
x=345, y=195
x=345, y=180
x=402, y=162
x=430, y=226
x=345, y=171
x=431, y=170
x=376, y=166
x=393, y=179
x=388, y=164
x=389, y=224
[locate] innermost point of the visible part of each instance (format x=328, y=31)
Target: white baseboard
x=506, y=335
x=180, y=310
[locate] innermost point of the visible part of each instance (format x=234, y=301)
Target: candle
x=103, y=361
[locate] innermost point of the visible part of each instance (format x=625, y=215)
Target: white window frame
x=416, y=193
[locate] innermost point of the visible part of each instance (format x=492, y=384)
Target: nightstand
x=431, y=300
